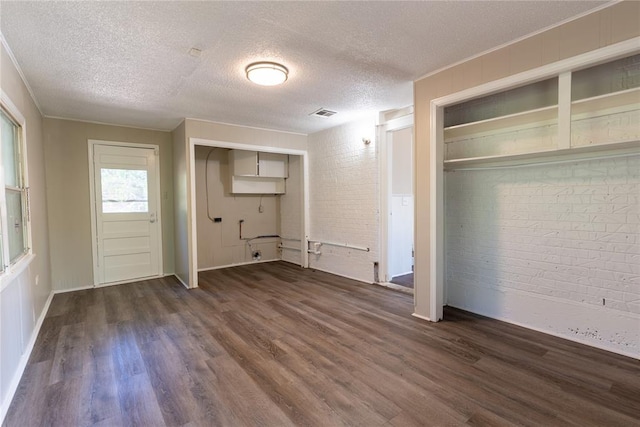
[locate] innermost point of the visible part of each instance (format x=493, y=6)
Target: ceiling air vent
x=323, y=113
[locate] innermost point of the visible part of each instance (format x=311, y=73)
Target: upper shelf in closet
x=601, y=106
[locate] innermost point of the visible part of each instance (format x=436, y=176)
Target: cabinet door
x=272, y=165
x=243, y=163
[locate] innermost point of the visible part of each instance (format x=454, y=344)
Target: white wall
x=219, y=244
x=402, y=161
x=23, y=303
x=401, y=235
x=291, y=212
x=401, y=223
x=68, y=194
x=344, y=198
x=182, y=228
x=543, y=246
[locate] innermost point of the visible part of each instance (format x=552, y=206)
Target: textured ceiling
x=128, y=63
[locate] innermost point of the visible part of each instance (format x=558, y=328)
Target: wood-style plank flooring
x=405, y=280
x=275, y=345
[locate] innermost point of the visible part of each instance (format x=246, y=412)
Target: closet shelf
x=625, y=100
x=548, y=156
x=502, y=122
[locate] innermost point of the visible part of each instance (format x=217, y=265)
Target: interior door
x=128, y=244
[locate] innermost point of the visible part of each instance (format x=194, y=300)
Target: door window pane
x=124, y=191
x=16, y=230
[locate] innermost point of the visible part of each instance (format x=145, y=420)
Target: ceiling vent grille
x=323, y=113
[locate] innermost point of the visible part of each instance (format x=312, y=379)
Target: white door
x=127, y=228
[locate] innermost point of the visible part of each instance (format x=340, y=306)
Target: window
x=124, y=190
x=14, y=227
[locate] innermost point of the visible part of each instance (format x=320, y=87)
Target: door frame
x=192, y=232
x=385, y=131
x=92, y=194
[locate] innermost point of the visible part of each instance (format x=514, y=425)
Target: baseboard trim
x=558, y=335
x=419, y=316
x=297, y=264
x=401, y=274
x=553, y=333
x=124, y=282
x=104, y=285
x=395, y=287
x=281, y=260
x=64, y=291
x=341, y=275
x=220, y=267
x=181, y=281
x=13, y=386
x=613, y=331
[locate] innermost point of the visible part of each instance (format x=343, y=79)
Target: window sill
x=7, y=277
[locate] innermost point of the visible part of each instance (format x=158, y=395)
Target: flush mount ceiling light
x=267, y=73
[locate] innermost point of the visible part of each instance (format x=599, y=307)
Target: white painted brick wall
x=290, y=211
x=344, y=198
x=563, y=232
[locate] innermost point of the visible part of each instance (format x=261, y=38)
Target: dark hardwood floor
x=405, y=280
x=275, y=345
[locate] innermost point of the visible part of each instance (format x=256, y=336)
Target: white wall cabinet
x=271, y=165
x=243, y=163
x=253, y=172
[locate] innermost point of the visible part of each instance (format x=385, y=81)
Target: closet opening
x=248, y=205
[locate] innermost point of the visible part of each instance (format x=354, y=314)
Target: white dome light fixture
x=267, y=73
